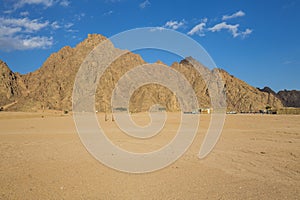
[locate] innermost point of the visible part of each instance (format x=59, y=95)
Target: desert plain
x=256, y=157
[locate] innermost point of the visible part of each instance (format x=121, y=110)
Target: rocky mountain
x=289, y=98
x=268, y=90
x=9, y=85
x=51, y=86
x=243, y=97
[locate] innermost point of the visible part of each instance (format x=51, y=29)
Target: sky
x=256, y=41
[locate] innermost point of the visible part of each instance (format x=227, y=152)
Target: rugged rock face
x=290, y=98
x=9, y=89
x=268, y=90
x=239, y=95
x=51, y=86
x=243, y=97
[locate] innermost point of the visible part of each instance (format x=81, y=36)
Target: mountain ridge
x=51, y=86
x=289, y=98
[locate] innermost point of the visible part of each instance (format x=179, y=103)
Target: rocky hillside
x=289, y=98
x=51, y=86
x=9, y=87
x=243, y=97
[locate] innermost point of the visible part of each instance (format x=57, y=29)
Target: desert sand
x=256, y=157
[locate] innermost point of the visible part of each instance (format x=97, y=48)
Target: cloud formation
x=233, y=29
x=202, y=28
x=199, y=28
x=108, y=13
x=145, y=4
x=21, y=43
x=246, y=32
x=235, y=15
x=25, y=24
x=19, y=34
x=21, y=3
x=174, y=24
x=65, y=3
x=55, y=25
x=24, y=14
x=45, y=3
x=68, y=25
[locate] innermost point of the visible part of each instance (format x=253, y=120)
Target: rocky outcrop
x=290, y=98
x=243, y=97
x=9, y=89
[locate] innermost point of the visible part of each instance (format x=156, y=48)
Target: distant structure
x=288, y=111
x=205, y=110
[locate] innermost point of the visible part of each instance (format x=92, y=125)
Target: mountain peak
x=92, y=40
x=268, y=90
x=160, y=62
x=4, y=67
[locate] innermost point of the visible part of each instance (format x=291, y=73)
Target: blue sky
x=256, y=41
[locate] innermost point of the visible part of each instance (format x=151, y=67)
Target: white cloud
x=174, y=24
x=246, y=32
x=26, y=24
x=8, y=31
x=68, y=25
x=235, y=15
x=199, y=28
x=171, y=25
x=8, y=12
x=45, y=3
x=65, y=3
x=233, y=29
x=108, y=13
x=21, y=43
x=55, y=25
x=21, y=3
x=145, y=4
x=37, y=42
x=69, y=29
x=17, y=34
x=24, y=14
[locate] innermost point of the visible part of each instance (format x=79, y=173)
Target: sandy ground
x=257, y=157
